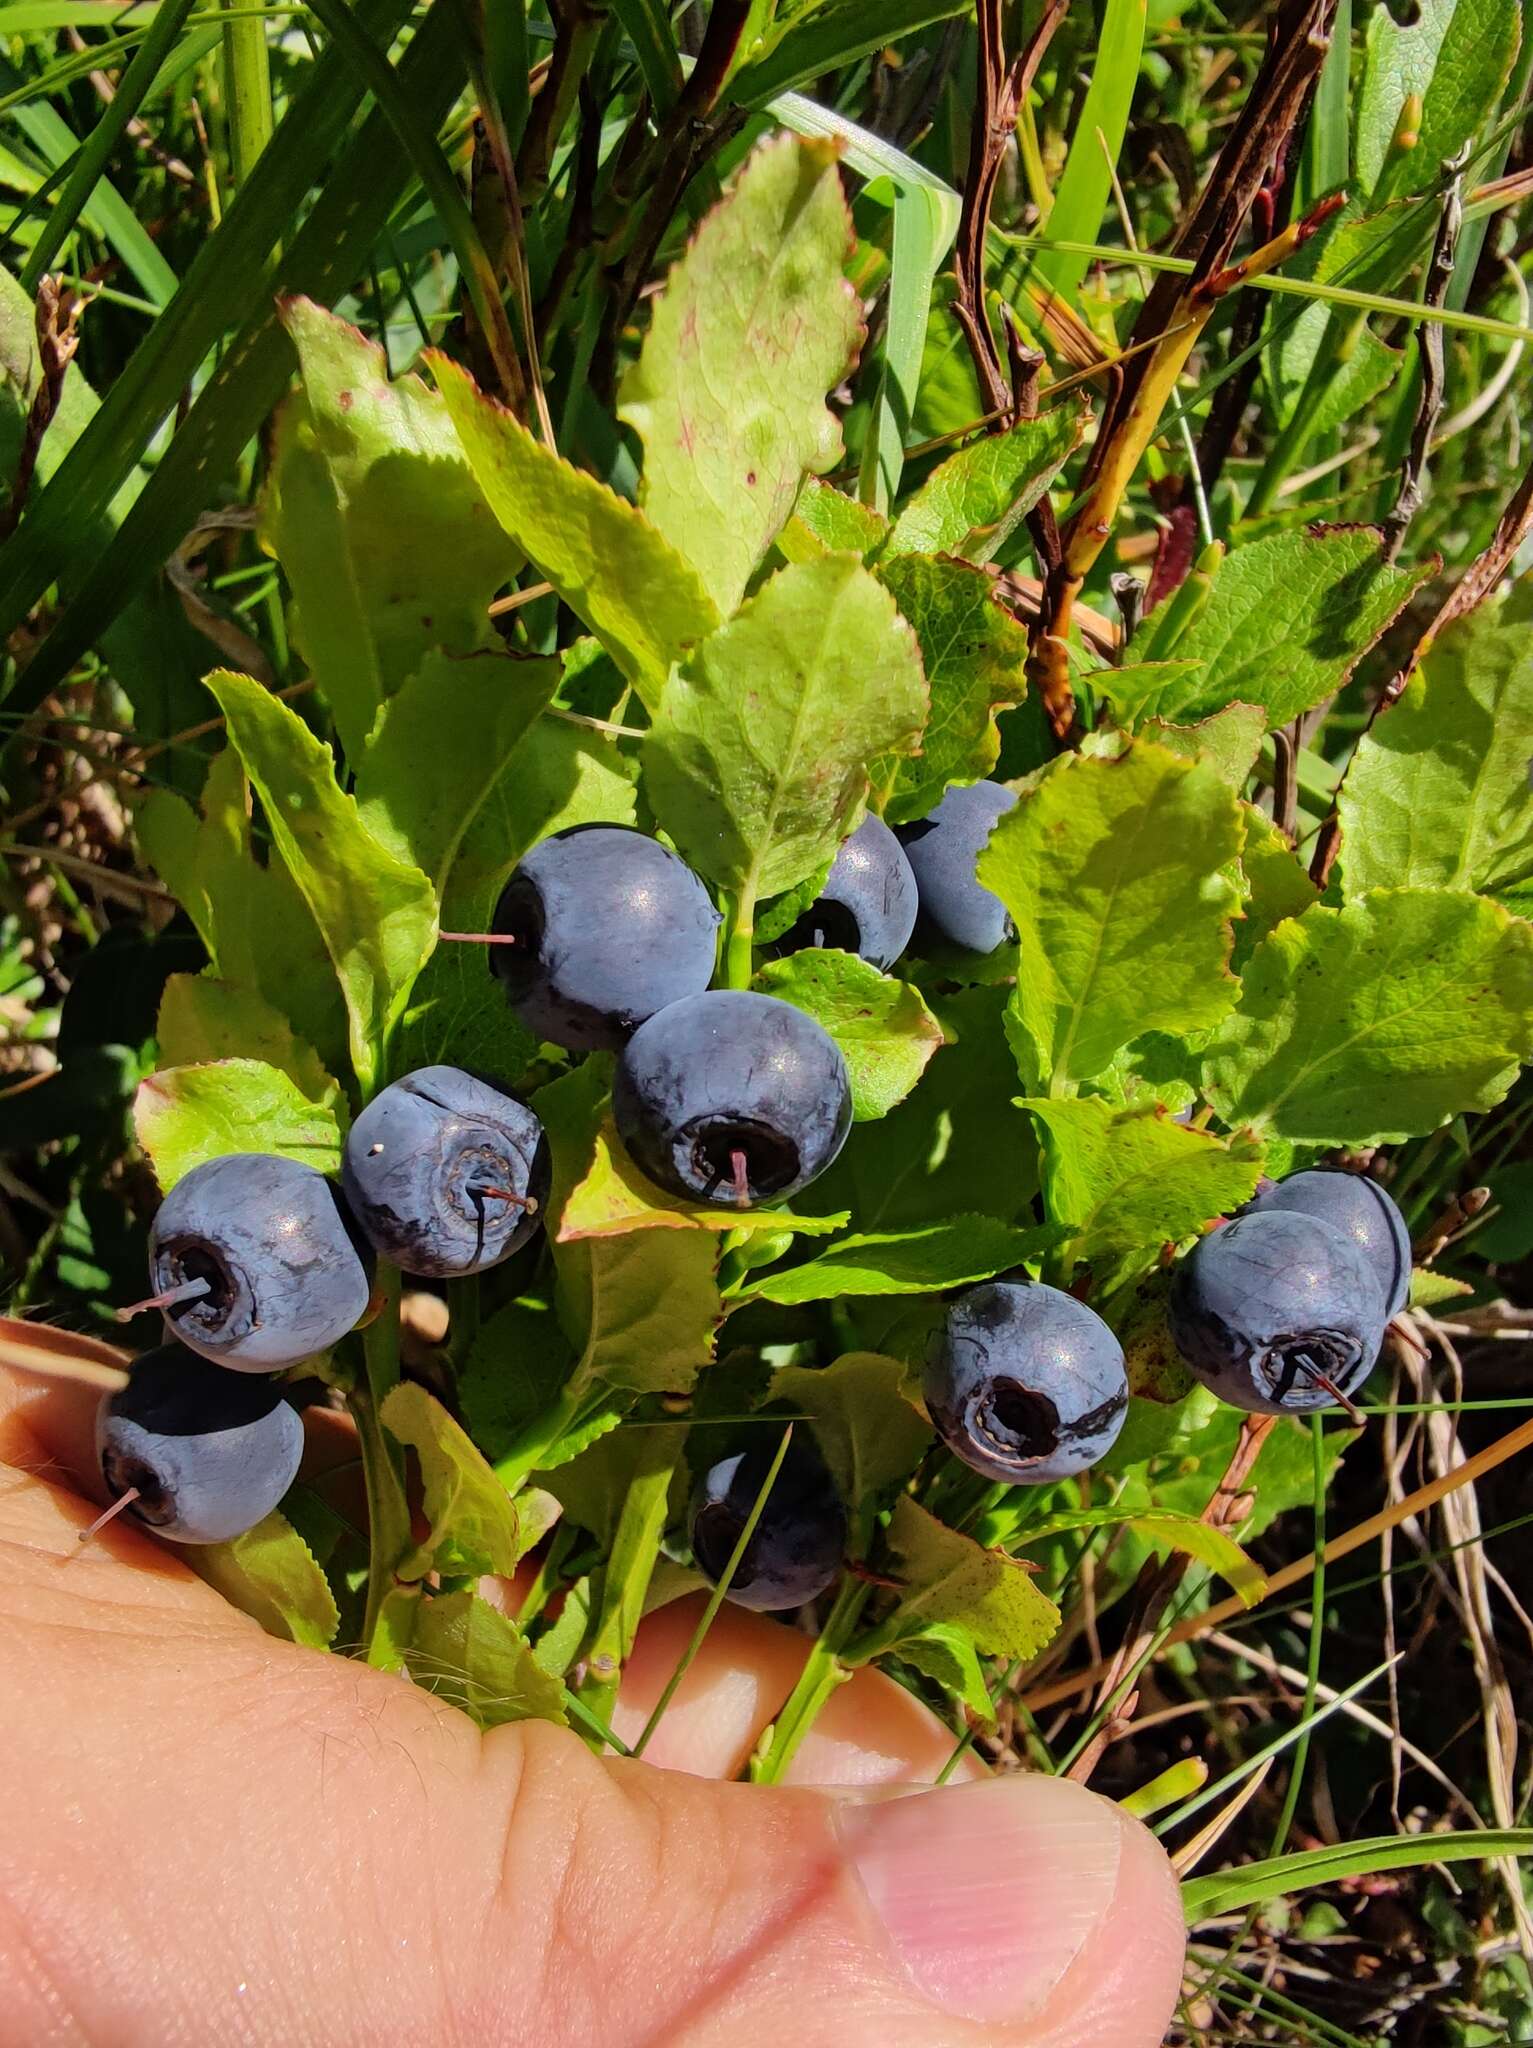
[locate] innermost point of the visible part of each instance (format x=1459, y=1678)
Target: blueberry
x=262, y=1253
x=1359, y=1209
x=797, y=1546
x=942, y=850
x=868, y=905
x=445, y=1174
x=732, y=1098
x=210, y=1452
x=607, y=927
x=1278, y=1312
x=1025, y=1384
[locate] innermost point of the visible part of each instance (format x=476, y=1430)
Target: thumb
x=219, y=1837
x=1018, y=1909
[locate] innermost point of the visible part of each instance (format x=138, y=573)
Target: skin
x=215, y=1837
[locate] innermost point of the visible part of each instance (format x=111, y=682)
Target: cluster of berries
x=603, y=939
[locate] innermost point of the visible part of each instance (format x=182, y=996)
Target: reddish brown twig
x=56, y=319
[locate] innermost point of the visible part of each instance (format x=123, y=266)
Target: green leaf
x=513, y=1377
x=1165, y=1528
x=640, y=1308
x=972, y=503
x=1437, y=794
x=1287, y=621
x=1136, y=690
x=957, y=1143
x=870, y=1436
x=1277, y=883
x=441, y=744
x=613, y=1198
x=186, y=1115
x=1229, y=741
x=258, y=930
x=385, y=539
x=1116, y=874
x=1131, y=1180
x=1377, y=1022
x=1253, y=1884
x=475, y=1525
x=884, y=1029
x=758, y=759
x=826, y=521
x=376, y=913
x=935, y=1256
x=614, y=570
x=1430, y=1290
x=944, y=1652
x=1458, y=55
x=202, y=1019
x=271, y=1574
x=949, y=1578
x=784, y=911
x=975, y=655
x=470, y=1654
x=755, y=324
x=559, y=775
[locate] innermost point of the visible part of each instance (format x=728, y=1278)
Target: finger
x=312, y=1850
x=870, y=1732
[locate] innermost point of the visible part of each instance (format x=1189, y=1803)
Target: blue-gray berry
x=1025, y=1384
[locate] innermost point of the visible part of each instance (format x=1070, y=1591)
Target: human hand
x=215, y=1837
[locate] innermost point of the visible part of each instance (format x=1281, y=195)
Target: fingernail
x=987, y=1892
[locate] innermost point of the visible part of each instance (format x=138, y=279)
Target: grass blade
x=223, y=287
x=833, y=35
x=106, y=211
x=925, y=223
x=1085, y=185
x=1251, y=1884
x=363, y=186
x=104, y=137
x=247, y=82
x=649, y=30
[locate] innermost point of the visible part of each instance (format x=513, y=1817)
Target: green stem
x=624, y=1579
x=383, y=1469
x=247, y=80
x=739, y=964
x=1316, y=1633
x=716, y=1599
x=819, y=1678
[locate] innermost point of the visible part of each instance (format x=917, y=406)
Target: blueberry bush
x=831, y=926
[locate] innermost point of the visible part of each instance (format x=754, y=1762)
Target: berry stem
x=189, y=1290
x=123, y=1500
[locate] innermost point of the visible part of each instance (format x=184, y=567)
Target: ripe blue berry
x=445, y=1174
x=943, y=849
x=868, y=905
x=732, y=1098
x=1278, y=1312
x=261, y=1253
x=210, y=1452
x=797, y=1546
x=605, y=927
x=1361, y=1210
x=1025, y=1384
